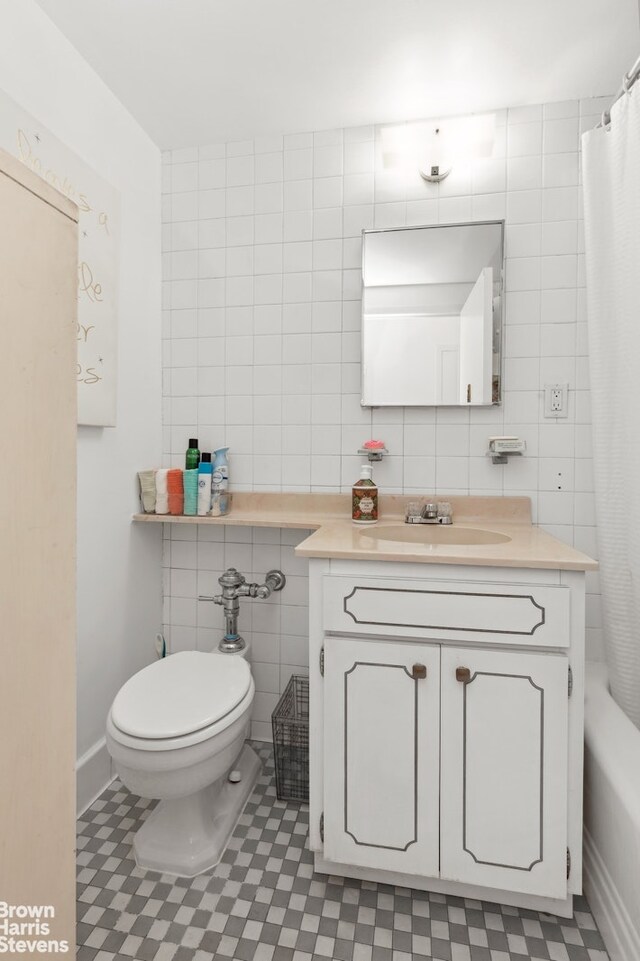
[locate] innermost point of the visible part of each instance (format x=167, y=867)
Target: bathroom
x=241, y=198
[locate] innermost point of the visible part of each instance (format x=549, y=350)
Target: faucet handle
x=445, y=514
x=412, y=513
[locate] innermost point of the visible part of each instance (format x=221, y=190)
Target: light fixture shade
x=435, y=147
x=435, y=173
x=438, y=153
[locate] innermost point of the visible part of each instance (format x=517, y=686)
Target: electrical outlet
x=556, y=400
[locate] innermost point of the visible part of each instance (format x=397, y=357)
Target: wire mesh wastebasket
x=290, y=721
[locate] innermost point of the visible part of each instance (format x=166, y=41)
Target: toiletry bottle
x=205, y=470
x=220, y=483
x=192, y=457
x=190, y=484
x=364, y=500
x=220, y=479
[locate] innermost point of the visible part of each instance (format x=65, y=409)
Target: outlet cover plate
x=556, y=400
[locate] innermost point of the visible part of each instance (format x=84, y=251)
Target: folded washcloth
x=162, y=500
x=190, y=481
x=147, y=480
x=175, y=490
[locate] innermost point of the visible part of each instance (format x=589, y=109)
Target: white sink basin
x=433, y=534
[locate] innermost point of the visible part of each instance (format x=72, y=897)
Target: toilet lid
x=181, y=694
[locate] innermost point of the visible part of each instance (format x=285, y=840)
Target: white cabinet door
x=381, y=737
x=504, y=770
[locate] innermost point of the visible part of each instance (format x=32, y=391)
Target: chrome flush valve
x=234, y=586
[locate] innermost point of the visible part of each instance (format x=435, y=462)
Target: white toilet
x=176, y=731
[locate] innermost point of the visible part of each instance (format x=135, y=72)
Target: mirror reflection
x=431, y=315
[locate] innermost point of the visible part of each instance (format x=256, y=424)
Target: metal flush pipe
x=234, y=586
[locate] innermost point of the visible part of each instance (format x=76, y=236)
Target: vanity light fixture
x=436, y=171
x=459, y=140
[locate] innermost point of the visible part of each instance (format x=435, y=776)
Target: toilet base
x=187, y=836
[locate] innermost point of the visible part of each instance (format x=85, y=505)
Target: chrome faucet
x=234, y=586
x=430, y=513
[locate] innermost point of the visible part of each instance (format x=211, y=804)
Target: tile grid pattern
x=264, y=902
x=261, y=328
x=277, y=629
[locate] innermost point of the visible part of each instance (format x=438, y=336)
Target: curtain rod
x=627, y=81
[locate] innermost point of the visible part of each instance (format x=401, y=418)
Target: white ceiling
x=199, y=71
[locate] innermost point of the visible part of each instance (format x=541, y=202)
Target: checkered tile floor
x=264, y=902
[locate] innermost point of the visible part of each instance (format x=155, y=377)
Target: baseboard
x=261, y=731
x=620, y=934
x=93, y=775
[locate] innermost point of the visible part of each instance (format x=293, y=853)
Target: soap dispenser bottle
x=364, y=500
x=205, y=471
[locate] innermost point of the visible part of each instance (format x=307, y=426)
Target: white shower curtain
x=611, y=169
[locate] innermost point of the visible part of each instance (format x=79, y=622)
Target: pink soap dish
x=374, y=450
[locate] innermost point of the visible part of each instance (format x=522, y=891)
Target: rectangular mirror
x=432, y=315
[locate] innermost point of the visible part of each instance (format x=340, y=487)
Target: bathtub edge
x=620, y=935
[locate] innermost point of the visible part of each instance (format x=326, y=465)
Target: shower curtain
x=611, y=172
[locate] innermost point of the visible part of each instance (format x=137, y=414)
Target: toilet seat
x=181, y=695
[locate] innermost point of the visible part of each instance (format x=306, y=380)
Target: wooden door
x=503, y=804
x=381, y=754
x=38, y=280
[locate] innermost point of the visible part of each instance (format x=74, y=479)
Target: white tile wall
x=262, y=248
x=194, y=558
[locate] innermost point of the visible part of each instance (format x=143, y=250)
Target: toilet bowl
x=175, y=731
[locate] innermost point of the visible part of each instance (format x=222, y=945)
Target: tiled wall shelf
x=236, y=518
x=286, y=511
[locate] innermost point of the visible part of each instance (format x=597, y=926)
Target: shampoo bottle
x=364, y=500
x=204, y=485
x=192, y=457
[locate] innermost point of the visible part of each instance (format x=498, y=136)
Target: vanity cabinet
x=446, y=728
x=476, y=809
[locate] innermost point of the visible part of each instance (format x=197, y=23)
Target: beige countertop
x=335, y=535
x=528, y=547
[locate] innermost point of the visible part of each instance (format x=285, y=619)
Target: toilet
x=176, y=731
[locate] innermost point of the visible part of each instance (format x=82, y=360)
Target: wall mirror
x=432, y=315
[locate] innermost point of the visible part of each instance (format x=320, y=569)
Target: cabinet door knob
x=463, y=674
x=419, y=672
